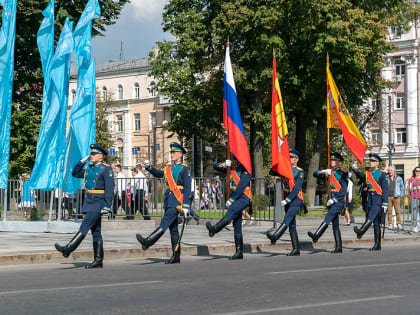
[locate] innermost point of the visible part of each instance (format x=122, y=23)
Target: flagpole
x=328, y=143
x=228, y=151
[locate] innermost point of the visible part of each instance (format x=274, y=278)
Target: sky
x=138, y=27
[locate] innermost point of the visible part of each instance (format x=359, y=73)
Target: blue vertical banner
x=45, y=41
x=82, y=130
x=7, y=56
x=47, y=173
x=82, y=127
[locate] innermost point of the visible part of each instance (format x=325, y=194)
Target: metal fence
x=134, y=198
x=411, y=205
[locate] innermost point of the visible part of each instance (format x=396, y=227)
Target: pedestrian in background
x=396, y=192
x=414, y=197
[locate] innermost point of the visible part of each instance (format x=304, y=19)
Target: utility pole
x=390, y=144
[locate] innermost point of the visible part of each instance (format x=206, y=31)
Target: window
x=136, y=122
x=374, y=104
x=376, y=136
x=136, y=91
x=401, y=135
x=120, y=153
x=73, y=95
x=104, y=93
x=152, y=89
x=396, y=32
x=152, y=121
x=119, y=123
x=120, y=92
x=399, y=68
x=399, y=170
x=400, y=101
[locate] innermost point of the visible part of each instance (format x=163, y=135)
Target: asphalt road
x=356, y=282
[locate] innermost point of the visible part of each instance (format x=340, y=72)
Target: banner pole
x=328, y=139
x=228, y=152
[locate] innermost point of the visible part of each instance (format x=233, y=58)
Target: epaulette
x=184, y=165
x=106, y=164
x=298, y=168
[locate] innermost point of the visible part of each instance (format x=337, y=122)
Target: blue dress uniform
x=99, y=187
x=240, y=196
x=338, y=185
x=294, y=200
x=180, y=174
x=377, y=198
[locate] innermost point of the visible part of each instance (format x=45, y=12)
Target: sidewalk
x=26, y=248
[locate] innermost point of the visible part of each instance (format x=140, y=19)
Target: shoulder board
x=298, y=168
x=106, y=164
x=184, y=165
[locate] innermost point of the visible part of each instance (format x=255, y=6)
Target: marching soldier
x=178, y=180
x=338, y=185
x=240, y=196
x=292, y=202
x=99, y=185
x=377, y=186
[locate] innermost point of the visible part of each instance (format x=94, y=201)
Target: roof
x=118, y=66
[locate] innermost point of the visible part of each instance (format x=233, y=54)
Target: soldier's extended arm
x=155, y=171
x=78, y=170
x=219, y=167
x=298, y=186
x=319, y=175
x=244, y=180
x=360, y=175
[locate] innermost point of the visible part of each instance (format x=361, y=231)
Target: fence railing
x=141, y=198
x=411, y=205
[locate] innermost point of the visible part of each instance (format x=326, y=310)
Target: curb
x=199, y=250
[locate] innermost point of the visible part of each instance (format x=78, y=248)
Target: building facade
x=136, y=113
x=397, y=127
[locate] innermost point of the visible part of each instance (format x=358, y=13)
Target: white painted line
x=296, y=307
x=343, y=268
x=122, y=284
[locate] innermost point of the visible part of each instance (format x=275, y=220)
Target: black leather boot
x=338, y=243
x=377, y=234
x=239, y=246
x=362, y=229
x=176, y=255
x=295, y=243
x=213, y=229
x=275, y=235
x=98, y=254
x=321, y=229
x=71, y=246
x=151, y=239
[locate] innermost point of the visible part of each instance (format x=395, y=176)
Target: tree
x=28, y=79
x=189, y=68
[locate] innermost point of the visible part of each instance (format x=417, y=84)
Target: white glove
x=186, y=211
x=228, y=163
x=354, y=166
x=283, y=203
x=327, y=171
x=146, y=163
x=385, y=208
x=330, y=202
x=105, y=210
x=85, y=159
x=228, y=203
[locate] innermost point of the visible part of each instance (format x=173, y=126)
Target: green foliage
x=35, y=214
x=189, y=68
x=28, y=77
x=260, y=203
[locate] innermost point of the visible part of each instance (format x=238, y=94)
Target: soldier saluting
x=99, y=185
x=338, y=180
x=178, y=180
x=240, y=196
x=292, y=202
x=377, y=186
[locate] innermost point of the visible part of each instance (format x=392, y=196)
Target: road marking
x=122, y=284
x=296, y=307
x=343, y=267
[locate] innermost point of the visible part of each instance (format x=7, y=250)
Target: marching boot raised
x=275, y=235
x=239, y=246
x=213, y=229
x=338, y=243
x=71, y=246
x=377, y=234
x=362, y=229
x=98, y=256
x=321, y=229
x=295, y=243
x=176, y=254
x=151, y=239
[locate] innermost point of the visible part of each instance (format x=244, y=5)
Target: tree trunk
x=314, y=162
x=300, y=139
x=256, y=148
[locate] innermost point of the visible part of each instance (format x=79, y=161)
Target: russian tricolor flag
x=232, y=118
